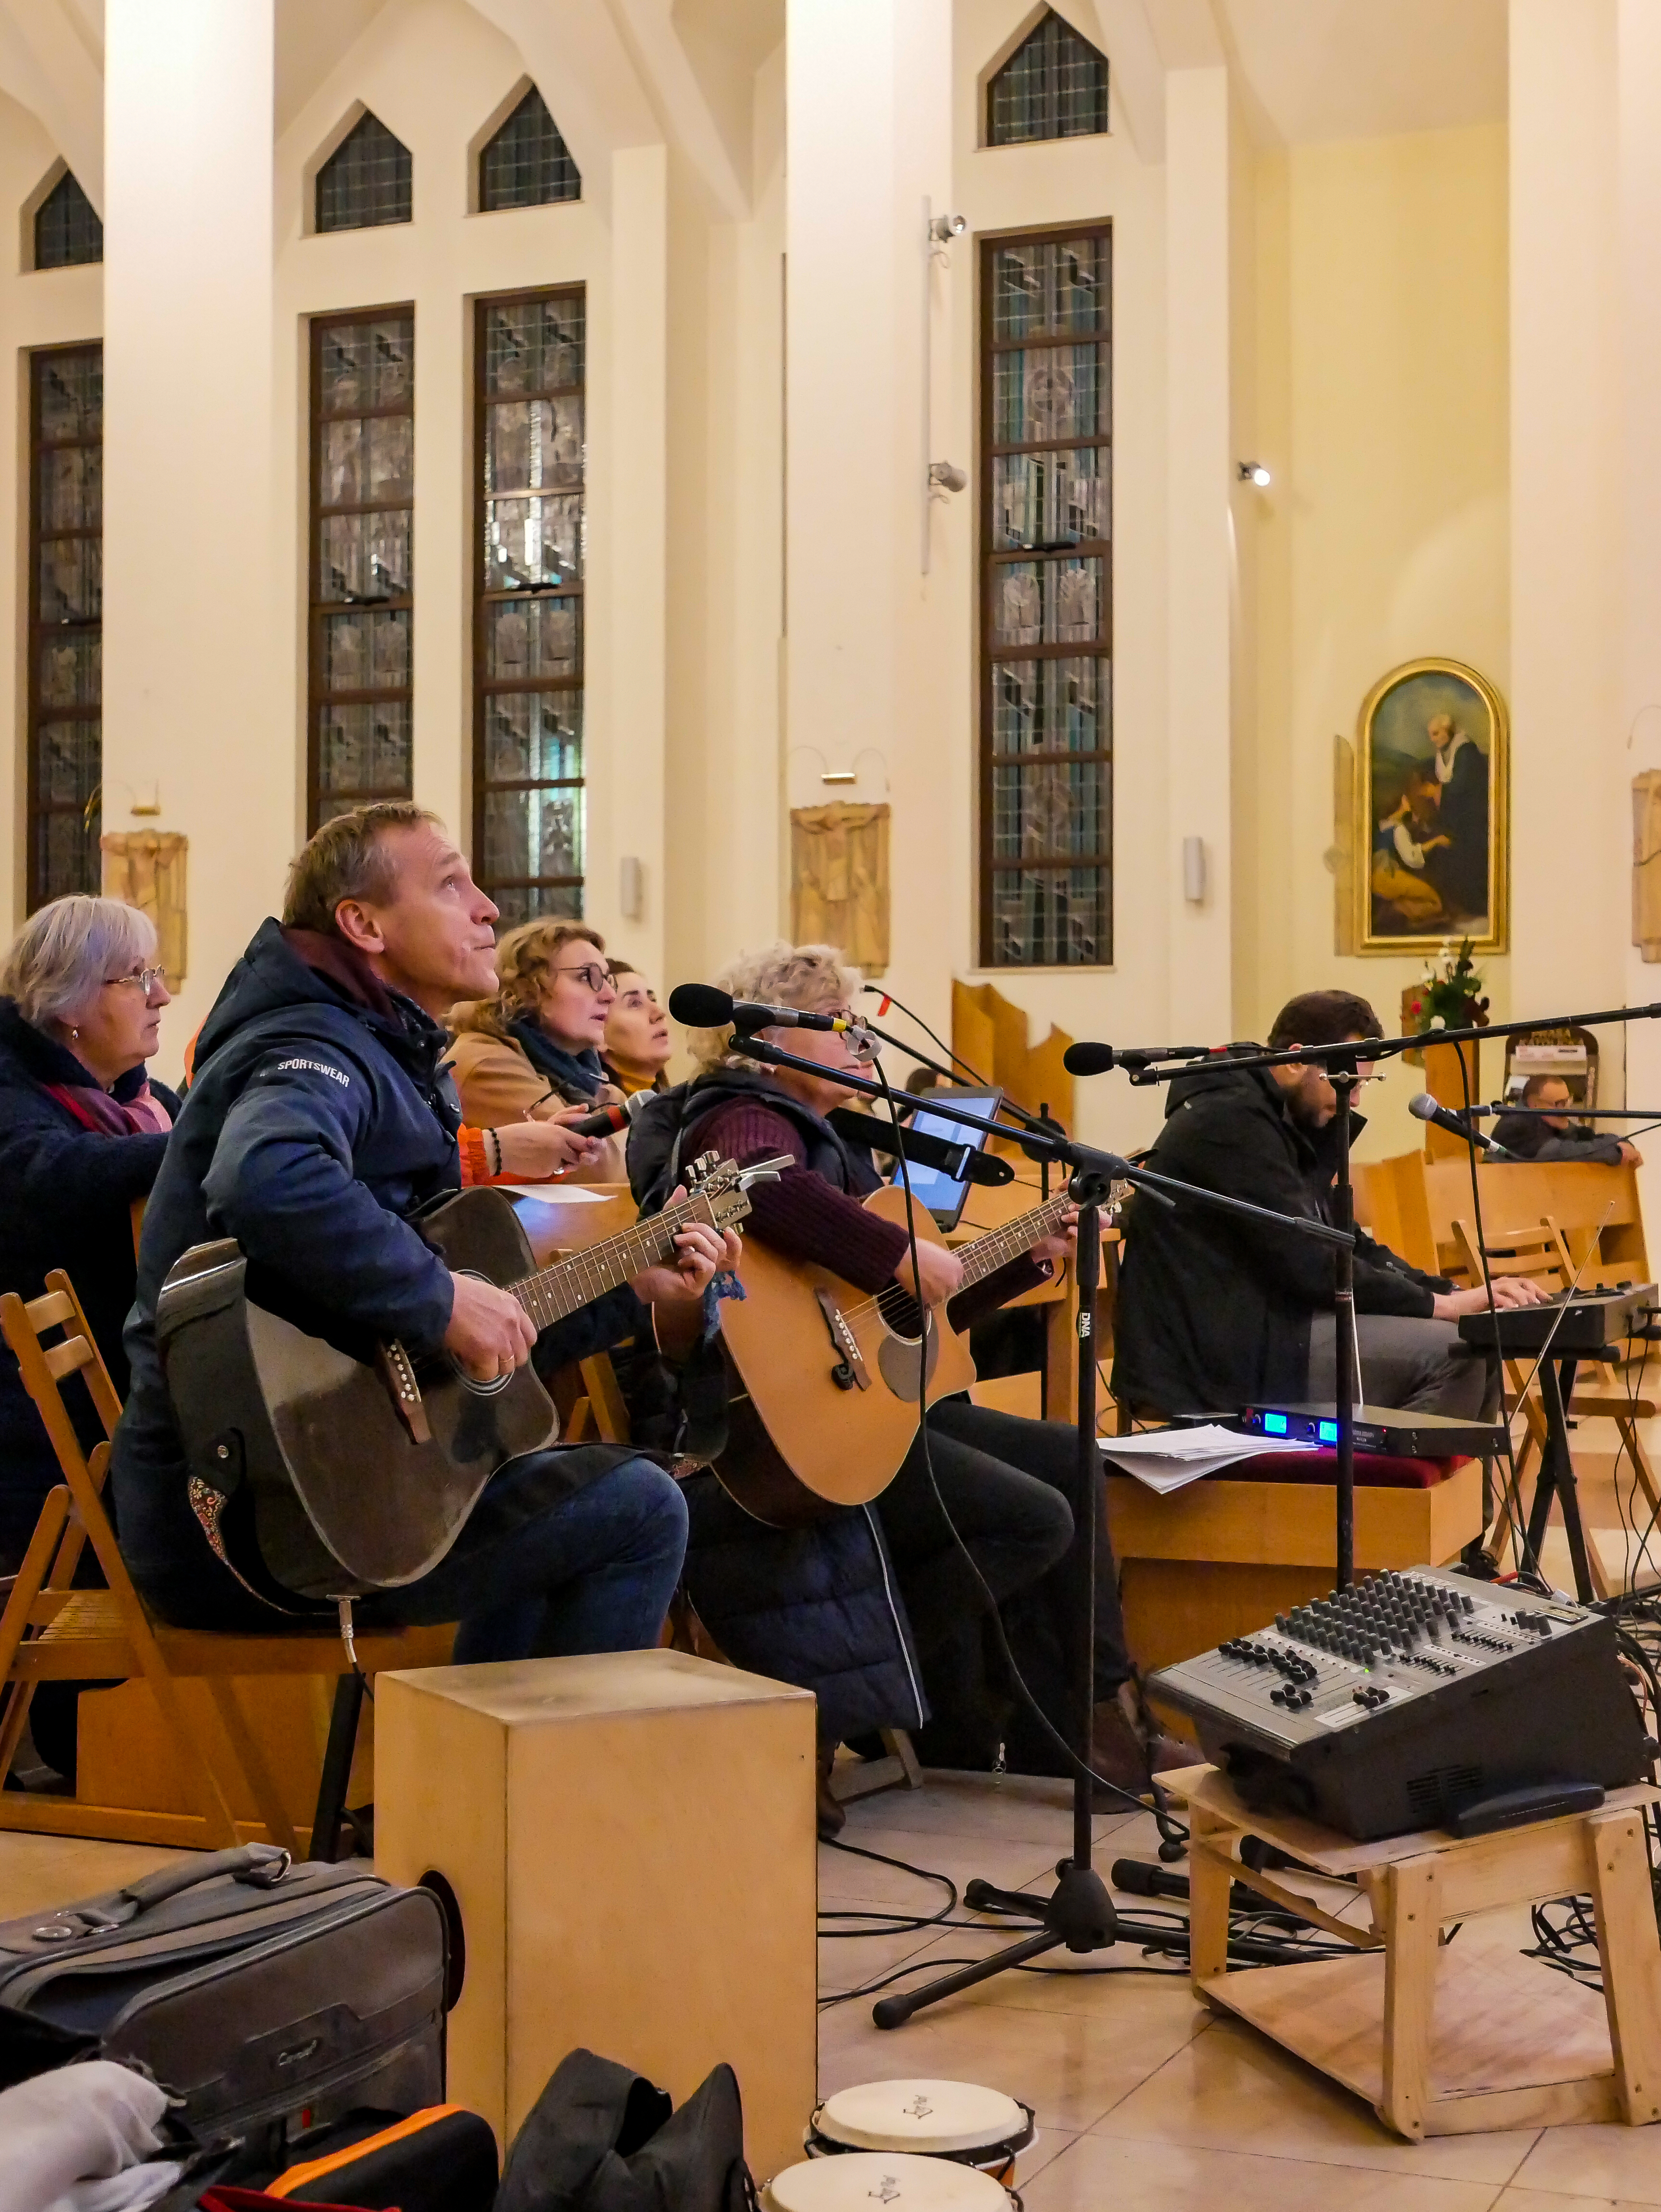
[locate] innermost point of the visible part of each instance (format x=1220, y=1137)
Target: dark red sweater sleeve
x=801, y=1215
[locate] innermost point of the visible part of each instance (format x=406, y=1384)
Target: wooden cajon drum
x=630, y=1841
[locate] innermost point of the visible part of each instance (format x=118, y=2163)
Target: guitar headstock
x=722, y=1186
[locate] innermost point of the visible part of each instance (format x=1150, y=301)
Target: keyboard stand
x=1556, y=1479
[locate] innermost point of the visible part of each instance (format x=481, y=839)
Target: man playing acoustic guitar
x=318, y=1122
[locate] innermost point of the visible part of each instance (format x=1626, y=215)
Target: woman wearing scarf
x=82, y=1136
x=533, y=1052
x=638, y=1047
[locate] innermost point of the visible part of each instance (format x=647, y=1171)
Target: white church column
x=867, y=97
x=192, y=612
x=1200, y=468
x=1568, y=836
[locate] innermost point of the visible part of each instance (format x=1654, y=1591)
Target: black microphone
x=606, y=1119
x=700, y=1006
x=1096, y=1059
x=1424, y=1107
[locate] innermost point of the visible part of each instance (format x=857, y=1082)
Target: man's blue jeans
x=593, y=1571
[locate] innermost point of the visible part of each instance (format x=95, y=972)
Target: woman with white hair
x=82, y=1135
x=828, y=1621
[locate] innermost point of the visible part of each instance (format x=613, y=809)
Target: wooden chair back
x=1540, y=1254
x=1577, y=1195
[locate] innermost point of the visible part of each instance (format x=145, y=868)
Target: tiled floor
x=1145, y=2099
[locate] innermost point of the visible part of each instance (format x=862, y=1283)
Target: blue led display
x=1274, y=1424
x=1327, y=1431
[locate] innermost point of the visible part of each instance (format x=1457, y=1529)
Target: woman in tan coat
x=533, y=1052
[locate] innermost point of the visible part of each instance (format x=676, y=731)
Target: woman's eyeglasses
x=146, y=978
x=592, y=978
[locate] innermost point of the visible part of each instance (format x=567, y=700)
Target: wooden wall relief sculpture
x=839, y=881
x=145, y=868
x=1647, y=863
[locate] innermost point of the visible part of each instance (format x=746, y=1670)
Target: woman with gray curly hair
x=1009, y=1484
x=82, y=1135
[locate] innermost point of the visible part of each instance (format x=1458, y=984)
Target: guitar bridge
x=850, y=1368
x=398, y=1373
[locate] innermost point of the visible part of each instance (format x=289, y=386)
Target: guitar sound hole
x=902, y=1315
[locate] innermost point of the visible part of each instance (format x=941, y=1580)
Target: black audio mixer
x=1403, y=1702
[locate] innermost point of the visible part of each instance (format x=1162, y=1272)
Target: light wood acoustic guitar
x=825, y=1378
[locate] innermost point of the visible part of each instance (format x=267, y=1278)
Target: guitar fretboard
x=1000, y=1246
x=555, y=1292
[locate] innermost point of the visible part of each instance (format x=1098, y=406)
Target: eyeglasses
x=146, y=978
x=593, y=978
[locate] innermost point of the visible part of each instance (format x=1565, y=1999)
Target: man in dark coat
x=319, y=1121
x=1217, y=1311
x=1551, y=1134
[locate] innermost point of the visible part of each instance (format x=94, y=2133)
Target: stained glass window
x=527, y=163
x=366, y=180
x=362, y=517
x=529, y=815
x=1047, y=693
x=66, y=596
x=1053, y=86
x=67, y=229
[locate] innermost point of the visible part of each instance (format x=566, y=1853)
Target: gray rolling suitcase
x=272, y=1998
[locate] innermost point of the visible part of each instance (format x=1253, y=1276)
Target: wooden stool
x=630, y=1841
x=1455, y=2039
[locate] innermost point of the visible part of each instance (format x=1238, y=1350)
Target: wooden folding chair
x=1542, y=1254
x=49, y=1631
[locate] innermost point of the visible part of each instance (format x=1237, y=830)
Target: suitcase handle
x=263, y=1865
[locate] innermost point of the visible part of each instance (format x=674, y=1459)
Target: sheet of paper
x=553, y=1194
x=1168, y=1459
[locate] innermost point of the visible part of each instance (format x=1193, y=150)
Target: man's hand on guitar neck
x=700, y=1251
x=489, y=1334
x=1064, y=1245
x=941, y=1273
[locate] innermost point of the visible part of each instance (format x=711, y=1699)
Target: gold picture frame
x=1432, y=849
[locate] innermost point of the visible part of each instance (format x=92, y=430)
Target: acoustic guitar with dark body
x=354, y=1476
x=826, y=1378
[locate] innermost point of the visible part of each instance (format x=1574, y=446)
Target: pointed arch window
x=527, y=163
x=65, y=618
x=1053, y=86
x=366, y=180
x=67, y=229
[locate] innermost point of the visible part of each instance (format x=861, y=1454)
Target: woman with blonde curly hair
x=1009, y=1484
x=532, y=1053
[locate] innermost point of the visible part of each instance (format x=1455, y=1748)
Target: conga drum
x=898, y=2181
x=959, y=2121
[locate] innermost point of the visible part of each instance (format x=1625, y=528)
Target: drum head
x=889, y=2178
x=932, y=2117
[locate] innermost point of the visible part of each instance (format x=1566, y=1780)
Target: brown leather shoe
x=1126, y=1746
x=832, y=1819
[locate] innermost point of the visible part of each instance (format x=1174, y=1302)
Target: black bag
x=602, y=2139
x=272, y=1999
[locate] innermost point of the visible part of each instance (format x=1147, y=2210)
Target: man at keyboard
x=1217, y=1311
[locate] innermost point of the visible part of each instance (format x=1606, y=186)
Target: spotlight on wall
x=1253, y=473
x=943, y=229
x=946, y=475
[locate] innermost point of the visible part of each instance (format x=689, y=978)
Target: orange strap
x=296, y=2177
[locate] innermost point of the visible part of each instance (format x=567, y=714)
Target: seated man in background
x=1217, y=1311
x=319, y=1121
x=1552, y=1133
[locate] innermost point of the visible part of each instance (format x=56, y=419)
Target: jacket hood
x=290, y=967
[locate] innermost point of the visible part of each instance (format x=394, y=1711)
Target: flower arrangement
x=1448, y=997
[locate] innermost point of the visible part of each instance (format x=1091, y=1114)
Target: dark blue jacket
x=318, y=1120
x=66, y=1194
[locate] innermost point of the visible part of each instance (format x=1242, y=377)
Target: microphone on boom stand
x=1424, y=1107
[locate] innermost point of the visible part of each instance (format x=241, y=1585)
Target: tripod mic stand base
x=1077, y=1915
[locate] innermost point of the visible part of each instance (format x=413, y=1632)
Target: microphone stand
x=1078, y=1914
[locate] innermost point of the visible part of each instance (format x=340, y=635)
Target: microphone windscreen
x=1423, y=1107
x=1087, y=1059
x=700, y=1005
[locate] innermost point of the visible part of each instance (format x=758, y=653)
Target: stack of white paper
x=1165, y=1459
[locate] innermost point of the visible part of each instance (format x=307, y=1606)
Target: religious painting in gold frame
x=1431, y=851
